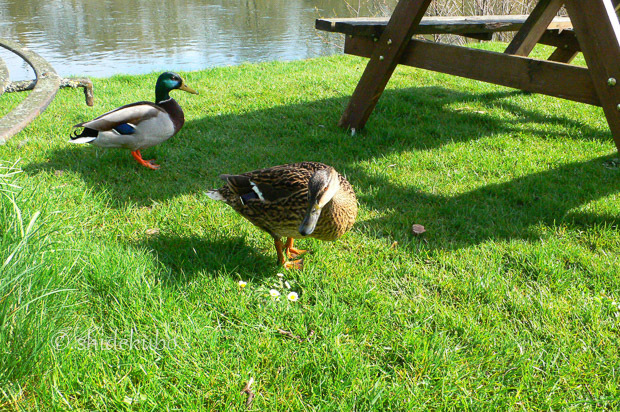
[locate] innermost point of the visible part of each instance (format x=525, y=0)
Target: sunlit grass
x=508, y=301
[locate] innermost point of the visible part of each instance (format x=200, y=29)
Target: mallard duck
x=138, y=125
x=293, y=201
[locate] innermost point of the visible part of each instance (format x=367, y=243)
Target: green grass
x=506, y=302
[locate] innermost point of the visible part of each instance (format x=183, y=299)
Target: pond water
x=105, y=37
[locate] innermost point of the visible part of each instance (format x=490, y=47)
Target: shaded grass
x=506, y=302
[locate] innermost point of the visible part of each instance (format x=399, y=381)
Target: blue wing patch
x=125, y=128
x=248, y=196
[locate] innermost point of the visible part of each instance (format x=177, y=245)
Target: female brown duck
x=293, y=201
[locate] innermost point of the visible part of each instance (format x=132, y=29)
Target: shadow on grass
x=187, y=257
x=508, y=210
x=405, y=120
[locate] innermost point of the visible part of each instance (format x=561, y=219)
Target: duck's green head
x=322, y=187
x=169, y=81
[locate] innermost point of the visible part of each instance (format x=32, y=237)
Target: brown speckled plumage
x=285, y=201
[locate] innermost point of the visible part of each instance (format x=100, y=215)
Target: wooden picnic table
x=591, y=27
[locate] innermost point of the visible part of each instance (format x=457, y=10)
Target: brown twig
x=297, y=338
x=290, y=335
x=24, y=85
x=598, y=405
x=247, y=390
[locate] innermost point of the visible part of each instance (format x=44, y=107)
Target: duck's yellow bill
x=187, y=89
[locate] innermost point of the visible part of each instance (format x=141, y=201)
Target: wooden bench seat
x=374, y=26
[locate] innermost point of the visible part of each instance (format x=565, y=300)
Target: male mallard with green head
x=298, y=200
x=139, y=125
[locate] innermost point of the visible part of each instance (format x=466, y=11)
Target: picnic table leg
x=561, y=55
x=598, y=32
x=383, y=61
x=534, y=27
x=567, y=53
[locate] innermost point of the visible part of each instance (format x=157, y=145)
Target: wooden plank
x=562, y=55
x=566, y=43
x=4, y=76
x=38, y=100
x=374, y=26
x=564, y=39
x=478, y=36
x=598, y=31
x=383, y=60
x=537, y=76
x=539, y=19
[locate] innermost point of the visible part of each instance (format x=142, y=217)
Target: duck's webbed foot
x=292, y=252
x=280, y=247
x=148, y=163
x=294, y=264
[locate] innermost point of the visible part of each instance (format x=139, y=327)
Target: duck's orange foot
x=147, y=163
x=151, y=164
x=292, y=253
x=294, y=264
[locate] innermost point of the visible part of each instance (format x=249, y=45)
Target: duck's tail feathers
x=215, y=195
x=79, y=140
x=87, y=136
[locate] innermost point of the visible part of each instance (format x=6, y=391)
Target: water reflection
x=104, y=37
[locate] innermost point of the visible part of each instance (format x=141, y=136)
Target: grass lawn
x=119, y=285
